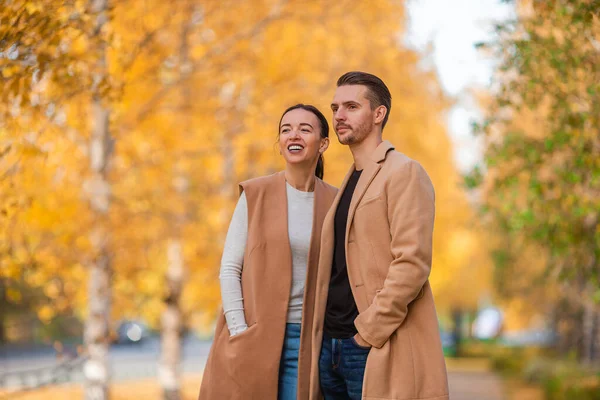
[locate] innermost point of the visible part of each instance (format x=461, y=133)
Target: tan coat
x=246, y=366
x=388, y=247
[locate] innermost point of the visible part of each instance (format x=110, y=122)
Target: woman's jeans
x=342, y=368
x=288, y=367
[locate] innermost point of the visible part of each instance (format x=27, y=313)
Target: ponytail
x=320, y=170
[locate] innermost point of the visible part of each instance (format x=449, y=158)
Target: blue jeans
x=288, y=366
x=342, y=368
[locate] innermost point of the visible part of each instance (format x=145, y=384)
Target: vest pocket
x=248, y=285
x=242, y=334
x=248, y=296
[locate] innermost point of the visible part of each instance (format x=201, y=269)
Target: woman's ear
x=324, y=145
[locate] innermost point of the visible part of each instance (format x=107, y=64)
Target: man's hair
x=377, y=93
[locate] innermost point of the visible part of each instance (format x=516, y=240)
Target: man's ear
x=380, y=113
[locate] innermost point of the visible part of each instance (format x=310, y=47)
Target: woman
x=262, y=348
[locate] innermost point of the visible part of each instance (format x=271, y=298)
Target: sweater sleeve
x=230, y=274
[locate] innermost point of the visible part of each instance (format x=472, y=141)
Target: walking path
x=473, y=380
x=475, y=386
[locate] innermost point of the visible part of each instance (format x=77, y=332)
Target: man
x=375, y=333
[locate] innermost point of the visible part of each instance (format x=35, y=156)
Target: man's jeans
x=342, y=368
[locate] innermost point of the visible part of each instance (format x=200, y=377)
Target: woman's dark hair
x=320, y=170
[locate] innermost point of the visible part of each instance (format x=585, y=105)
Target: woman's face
x=300, y=137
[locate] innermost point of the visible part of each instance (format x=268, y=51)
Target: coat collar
x=377, y=156
x=381, y=151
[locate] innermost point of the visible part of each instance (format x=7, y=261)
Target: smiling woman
x=304, y=136
x=268, y=271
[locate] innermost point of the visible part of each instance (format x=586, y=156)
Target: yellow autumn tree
x=191, y=94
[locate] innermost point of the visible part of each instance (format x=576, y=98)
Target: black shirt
x=341, y=308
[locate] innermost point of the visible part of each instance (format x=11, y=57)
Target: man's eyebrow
x=306, y=123
x=345, y=103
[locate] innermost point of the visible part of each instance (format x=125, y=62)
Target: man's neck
x=361, y=152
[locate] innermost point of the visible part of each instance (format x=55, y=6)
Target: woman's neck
x=300, y=178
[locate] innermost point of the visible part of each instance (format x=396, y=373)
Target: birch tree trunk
x=171, y=323
x=172, y=318
x=3, y=304
x=96, y=335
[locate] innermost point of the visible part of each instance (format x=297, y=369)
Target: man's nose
x=339, y=115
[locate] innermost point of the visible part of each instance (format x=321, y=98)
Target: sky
x=445, y=32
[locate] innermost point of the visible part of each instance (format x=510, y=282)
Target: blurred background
x=125, y=126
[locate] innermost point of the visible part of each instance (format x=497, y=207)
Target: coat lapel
x=369, y=172
x=367, y=176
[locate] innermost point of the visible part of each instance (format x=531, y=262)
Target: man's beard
x=348, y=139
x=355, y=135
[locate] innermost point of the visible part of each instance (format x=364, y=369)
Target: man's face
x=353, y=119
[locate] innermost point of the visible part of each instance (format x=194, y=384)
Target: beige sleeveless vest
x=246, y=366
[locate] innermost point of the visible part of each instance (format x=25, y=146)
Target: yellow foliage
x=213, y=120
x=52, y=289
x=46, y=313
x=13, y=295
